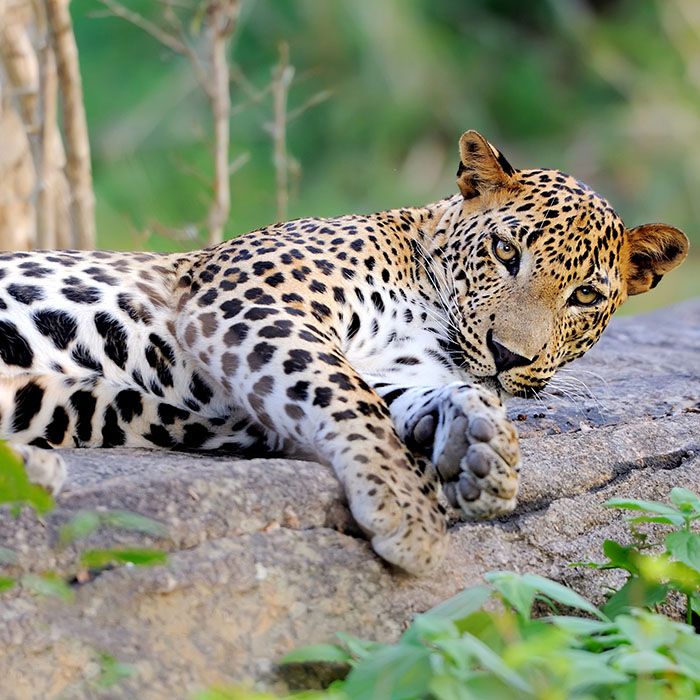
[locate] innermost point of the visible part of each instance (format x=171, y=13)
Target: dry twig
x=78, y=168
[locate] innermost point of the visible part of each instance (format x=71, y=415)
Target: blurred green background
x=608, y=90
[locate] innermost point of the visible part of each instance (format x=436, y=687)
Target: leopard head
x=538, y=262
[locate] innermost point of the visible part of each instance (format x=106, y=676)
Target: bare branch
x=220, y=23
x=282, y=78
x=78, y=168
x=314, y=100
x=118, y=10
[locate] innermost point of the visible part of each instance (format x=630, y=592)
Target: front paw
x=405, y=523
x=475, y=450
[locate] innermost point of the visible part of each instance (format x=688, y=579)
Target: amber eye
x=505, y=252
x=586, y=296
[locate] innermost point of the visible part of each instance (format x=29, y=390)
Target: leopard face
x=538, y=263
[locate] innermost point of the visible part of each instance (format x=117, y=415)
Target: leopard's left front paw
x=475, y=450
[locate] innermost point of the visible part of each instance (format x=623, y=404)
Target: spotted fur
x=377, y=344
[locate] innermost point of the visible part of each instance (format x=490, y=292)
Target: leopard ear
x=650, y=251
x=482, y=168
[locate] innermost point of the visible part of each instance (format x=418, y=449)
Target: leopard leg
x=53, y=410
x=303, y=390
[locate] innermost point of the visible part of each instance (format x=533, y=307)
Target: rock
x=264, y=556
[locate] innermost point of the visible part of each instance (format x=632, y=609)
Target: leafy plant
x=486, y=643
x=651, y=576
x=459, y=651
x=15, y=488
x=17, y=491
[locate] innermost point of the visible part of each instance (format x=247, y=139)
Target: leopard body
x=381, y=345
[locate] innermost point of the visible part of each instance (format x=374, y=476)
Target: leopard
x=381, y=345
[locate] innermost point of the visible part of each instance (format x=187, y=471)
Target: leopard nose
x=504, y=358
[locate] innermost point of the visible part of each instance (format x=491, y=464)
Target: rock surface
x=264, y=556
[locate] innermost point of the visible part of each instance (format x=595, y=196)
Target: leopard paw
x=474, y=449
x=44, y=467
x=406, y=526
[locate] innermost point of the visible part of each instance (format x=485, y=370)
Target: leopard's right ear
x=482, y=168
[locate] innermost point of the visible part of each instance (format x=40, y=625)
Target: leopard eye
x=507, y=253
x=586, y=296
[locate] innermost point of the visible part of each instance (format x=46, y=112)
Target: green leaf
x=644, y=662
x=587, y=670
x=401, y=672
x=425, y=628
x=657, y=519
x=620, y=557
x=670, y=512
x=581, y=626
x=113, y=671
x=647, y=631
x=662, y=569
x=685, y=500
x=6, y=583
x=685, y=547
x=80, y=525
x=519, y=595
x=561, y=594
x=7, y=556
x=85, y=523
x=359, y=648
x=448, y=687
x=317, y=652
x=133, y=521
x=686, y=652
x=461, y=605
x=48, y=584
x=636, y=593
x=15, y=488
x=229, y=693
x=100, y=558
x=695, y=603
x=468, y=645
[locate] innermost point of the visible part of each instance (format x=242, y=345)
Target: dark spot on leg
x=56, y=430
x=27, y=405
x=84, y=404
x=129, y=404
x=112, y=434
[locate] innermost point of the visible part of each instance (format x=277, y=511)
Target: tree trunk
x=46, y=198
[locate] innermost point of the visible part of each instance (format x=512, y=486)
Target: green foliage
x=101, y=558
x=85, y=523
x=112, y=671
x=222, y=693
x=16, y=491
x=652, y=576
x=48, y=584
x=15, y=488
x=487, y=644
